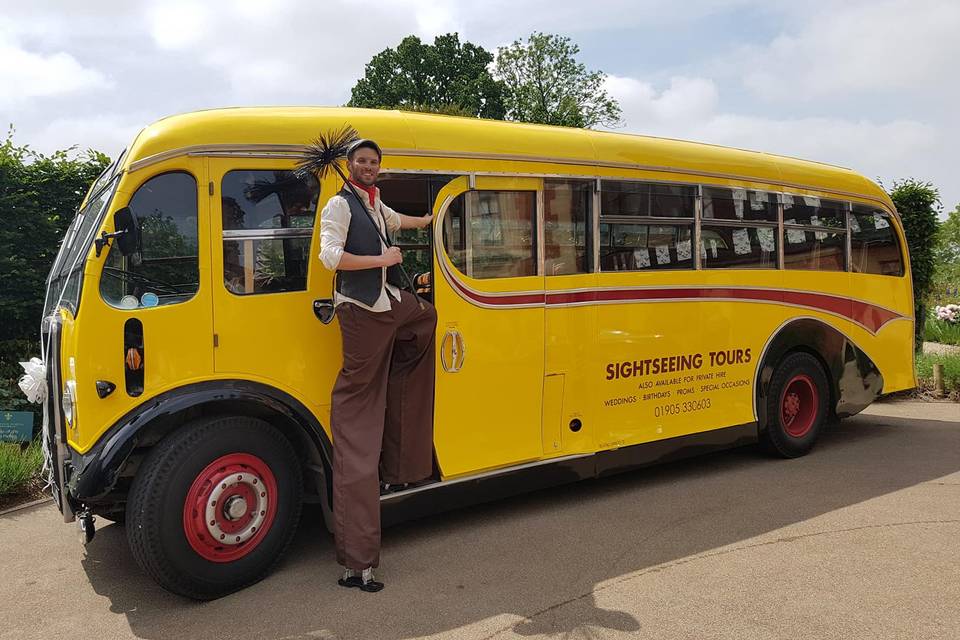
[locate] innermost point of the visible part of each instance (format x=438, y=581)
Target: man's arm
x=397, y=220
x=351, y=262
x=414, y=222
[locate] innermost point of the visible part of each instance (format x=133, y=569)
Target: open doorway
x=414, y=195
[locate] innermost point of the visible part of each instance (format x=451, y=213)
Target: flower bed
x=943, y=325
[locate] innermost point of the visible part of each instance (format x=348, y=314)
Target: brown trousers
x=382, y=417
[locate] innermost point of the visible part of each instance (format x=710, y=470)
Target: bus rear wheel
x=214, y=506
x=797, y=402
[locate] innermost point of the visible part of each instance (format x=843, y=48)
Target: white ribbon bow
x=33, y=383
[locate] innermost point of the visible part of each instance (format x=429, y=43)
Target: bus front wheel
x=214, y=506
x=797, y=402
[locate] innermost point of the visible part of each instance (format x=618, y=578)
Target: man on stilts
x=382, y=413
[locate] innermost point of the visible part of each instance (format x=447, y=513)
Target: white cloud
x=688, y=108
x=433, y=17
x=109, y=133
x=685, y=100
x=179, y=25
x=843, y=49
x=25, y=74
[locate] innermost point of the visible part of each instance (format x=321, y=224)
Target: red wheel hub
x=799, y=404
x=229, y=507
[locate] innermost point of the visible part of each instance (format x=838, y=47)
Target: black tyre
x=118, y=517
x=796, y=406
x=214, y=506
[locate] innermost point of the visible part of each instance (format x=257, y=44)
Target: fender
x=855, y=381
x=95, y=473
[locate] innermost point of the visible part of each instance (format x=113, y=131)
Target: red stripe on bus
x=500, y=300
x=865, y=314
x=870, y=316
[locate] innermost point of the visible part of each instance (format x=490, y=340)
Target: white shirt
x=334, y=224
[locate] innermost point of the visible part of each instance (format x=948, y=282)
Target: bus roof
x=411, y=133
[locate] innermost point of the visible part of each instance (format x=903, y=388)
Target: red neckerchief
x=371, y=191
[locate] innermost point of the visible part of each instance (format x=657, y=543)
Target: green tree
x=544, y=83
x=946, y=261
x=446, y=77
x=38, y=197
x=918, y=204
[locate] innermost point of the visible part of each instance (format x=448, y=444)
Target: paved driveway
x=861, y=539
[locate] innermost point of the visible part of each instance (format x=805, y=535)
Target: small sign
x=16, y=426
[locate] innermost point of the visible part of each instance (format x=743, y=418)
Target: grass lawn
x=941, y=331
x=19, y=473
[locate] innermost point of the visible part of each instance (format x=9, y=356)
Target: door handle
x=454, y=341
x=460, y=352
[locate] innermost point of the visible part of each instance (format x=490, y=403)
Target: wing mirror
x=127, y=233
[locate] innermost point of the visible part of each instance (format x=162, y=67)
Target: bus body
x=604, y=301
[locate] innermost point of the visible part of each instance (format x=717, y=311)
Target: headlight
x=70, y=401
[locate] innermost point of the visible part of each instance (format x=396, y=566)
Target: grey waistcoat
x=363, y=285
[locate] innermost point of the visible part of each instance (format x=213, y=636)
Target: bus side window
x=491, y=234
x=873, y=243
x=738, y=229
x=568, y=226
x=815, y=234
x=646, y=225
x=268, y=219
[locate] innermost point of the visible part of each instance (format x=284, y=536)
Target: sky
x=870, y=85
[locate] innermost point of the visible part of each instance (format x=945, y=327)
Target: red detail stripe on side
x=870, y=316
x=501, y=300
x=865, y=314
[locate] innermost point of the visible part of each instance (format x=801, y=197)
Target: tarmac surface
x=860, y=539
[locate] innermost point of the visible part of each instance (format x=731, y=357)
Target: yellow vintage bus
x=605, y=301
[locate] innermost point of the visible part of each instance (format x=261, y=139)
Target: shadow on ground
x=510, y=565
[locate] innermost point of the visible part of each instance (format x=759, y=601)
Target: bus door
x=265, y=279
x=488, y=291
x=157, y=302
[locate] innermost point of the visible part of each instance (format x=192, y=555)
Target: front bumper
x=56, y=453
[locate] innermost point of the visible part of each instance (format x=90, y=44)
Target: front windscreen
x=63, y=283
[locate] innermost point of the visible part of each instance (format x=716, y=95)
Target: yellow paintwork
x=527, y=372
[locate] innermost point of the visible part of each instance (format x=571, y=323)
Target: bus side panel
x=177, y=338
x=891, y=348
x=667, y=368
